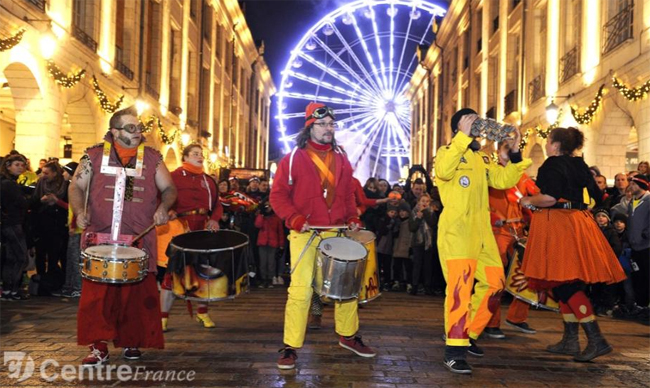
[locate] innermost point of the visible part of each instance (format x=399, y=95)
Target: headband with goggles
x=323, y=112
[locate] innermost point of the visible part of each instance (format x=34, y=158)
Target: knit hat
x=641, y=180
x=254, y=179
x=71, y=167
x=311, y=108
x=620, y=217
x=392, y=207
x=602, y=211
x=455, y=119
x=403, y=205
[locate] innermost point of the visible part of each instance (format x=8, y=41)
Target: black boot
x=596, y=343
x=569, y=343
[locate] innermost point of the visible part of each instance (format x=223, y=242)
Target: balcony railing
x=536, y=89
x=510, y=102
x=619, y=28
x=569, y=64
x=40, y=4
x=120, y=65
x=83, y=37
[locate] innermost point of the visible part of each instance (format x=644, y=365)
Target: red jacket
x=304, y=199
x=193, y=194
x=271, y=231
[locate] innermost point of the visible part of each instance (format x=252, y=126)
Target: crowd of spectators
x=39, y=233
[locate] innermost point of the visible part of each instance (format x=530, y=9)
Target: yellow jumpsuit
x=466, y=243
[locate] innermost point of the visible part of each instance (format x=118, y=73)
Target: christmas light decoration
x=105, y=104
x=9, y=43
x=539, y=131
x=67, y=81
x=148, y=124
x=588, y=116
x=167, y=139
x=632, y=94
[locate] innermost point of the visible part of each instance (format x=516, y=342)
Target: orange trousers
x=518, y=310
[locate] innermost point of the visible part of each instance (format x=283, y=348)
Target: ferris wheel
x=359, y=60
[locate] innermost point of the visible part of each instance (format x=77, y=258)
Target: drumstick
x=328, y=227
x=138, y=237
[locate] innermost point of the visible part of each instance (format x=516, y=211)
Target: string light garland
x=66, y=80
x=539, y=131
x=167, y=139
x=105, y=104
x=588, y=116
x=9, y=43
x=148, y=124
x=633, y=94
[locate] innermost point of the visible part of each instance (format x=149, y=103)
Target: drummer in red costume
x=198, y=205
x=508, y=221
x=313, y=186
x=565, y=250
x=127, y=314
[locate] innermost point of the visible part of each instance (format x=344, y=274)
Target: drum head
x=114, y=251
x=205, y=241
x=342, y=248
x=362, y=236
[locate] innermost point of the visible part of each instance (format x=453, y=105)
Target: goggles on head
x=322, y=112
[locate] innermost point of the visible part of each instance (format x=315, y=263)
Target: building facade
x=518, y=60
x=190, y=66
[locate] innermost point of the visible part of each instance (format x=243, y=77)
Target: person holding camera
x=466, y=244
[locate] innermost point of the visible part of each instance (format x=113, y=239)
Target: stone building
x=192, y=64
x=518, y=60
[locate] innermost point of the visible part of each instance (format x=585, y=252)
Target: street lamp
x=552, y=109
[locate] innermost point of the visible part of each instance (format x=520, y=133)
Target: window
x=206, y=16
x=125, y=14
x=153, y=57
x=175, y=71
x=85, y=22
x=570, y=42
x=620, y=25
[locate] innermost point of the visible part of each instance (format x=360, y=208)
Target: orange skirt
x=565, y=246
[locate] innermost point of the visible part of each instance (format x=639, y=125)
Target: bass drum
x=517, y=283
x=370, y=285
x=209, y=266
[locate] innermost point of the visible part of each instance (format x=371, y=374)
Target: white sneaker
x=280, y=281
x=275, y=280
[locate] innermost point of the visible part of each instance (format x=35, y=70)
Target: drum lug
x=105, y=264
x=104, y=274
x=125, y=275
x=125, y=265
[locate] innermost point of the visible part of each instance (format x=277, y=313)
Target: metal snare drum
x=113, y=263
x=340, y=266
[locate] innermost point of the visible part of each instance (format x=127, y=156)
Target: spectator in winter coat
x=402, y=249
x=269, y=239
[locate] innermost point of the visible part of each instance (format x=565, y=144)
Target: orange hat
x=311, y=108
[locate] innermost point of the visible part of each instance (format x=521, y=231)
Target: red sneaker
x=356, y=345
x=131, y=353
x=98, y=355
x=288, y=358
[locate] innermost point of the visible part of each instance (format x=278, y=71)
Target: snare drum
x=339, y=269
x=517, y=284
x=370, y=284
x=114, y=263
x=209, y=266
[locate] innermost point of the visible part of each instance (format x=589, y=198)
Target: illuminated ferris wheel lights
x=328, y=29
x=288, y=84
x=310, y=45
x=297, y=63
x=392, y=11
x=347, y=19
x=415, y=14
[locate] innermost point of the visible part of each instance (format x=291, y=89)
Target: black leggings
x=564, y=292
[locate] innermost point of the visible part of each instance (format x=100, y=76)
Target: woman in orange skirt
x=565, y=249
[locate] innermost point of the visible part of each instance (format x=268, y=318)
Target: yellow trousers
x=300, y=291
x=467, y=314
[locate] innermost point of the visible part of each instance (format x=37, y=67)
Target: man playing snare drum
x=113, y=194
x=313, y=186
